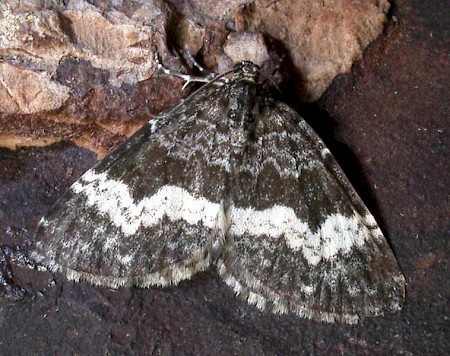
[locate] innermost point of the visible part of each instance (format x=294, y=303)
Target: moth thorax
x=246, y=70
x=239, y=139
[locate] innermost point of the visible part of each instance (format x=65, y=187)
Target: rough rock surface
x=85, y=71
x=386, y=122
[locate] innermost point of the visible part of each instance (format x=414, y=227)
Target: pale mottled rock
x=93, y=60
x=242, y=46
x=40, y=46
x=323, y=38
x=210, y=11
x=109, y=40
x=26, y=91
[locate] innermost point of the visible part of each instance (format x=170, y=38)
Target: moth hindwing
x=231, y=179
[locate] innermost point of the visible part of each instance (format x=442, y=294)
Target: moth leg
x=206, y=74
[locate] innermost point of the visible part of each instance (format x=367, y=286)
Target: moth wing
x=300, y=238
x=141, y=216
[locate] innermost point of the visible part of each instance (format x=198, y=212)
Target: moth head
x=246, y=70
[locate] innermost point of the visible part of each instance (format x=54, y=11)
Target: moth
x=234, y=180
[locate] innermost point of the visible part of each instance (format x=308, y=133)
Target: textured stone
x=26, y=91
x=208, y=12
x=323, y=38
x=85, y=67
x=80, y=60
x=242, y=46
